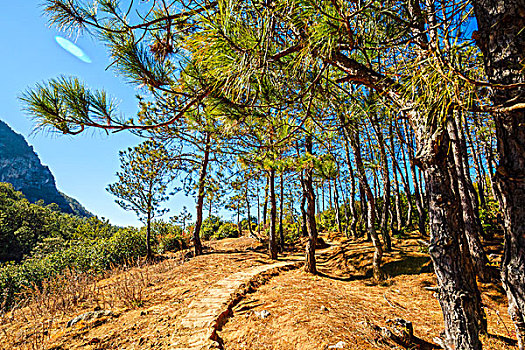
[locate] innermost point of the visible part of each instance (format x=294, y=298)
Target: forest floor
x=235, y=295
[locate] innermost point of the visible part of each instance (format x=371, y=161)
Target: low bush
x=210, y=226
x=227, y=230
x=88, y=256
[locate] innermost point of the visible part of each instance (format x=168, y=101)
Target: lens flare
x=72, y=49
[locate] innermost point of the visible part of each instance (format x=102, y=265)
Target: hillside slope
x=20, y=166
x=156, y=306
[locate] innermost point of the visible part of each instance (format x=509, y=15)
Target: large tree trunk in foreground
x=310, y=265
x=200, y=197
x=501, y=38
x=458, y=294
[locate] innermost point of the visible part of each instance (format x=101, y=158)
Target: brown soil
x=305, y=311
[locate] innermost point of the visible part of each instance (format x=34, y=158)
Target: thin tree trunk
x=406, y=184
x=322, y=194
x=472, y=230
x=200, y=197
x=272, y=244
x=311, y=225
x=397, y=197
x=502, y=42
x=385, y=174
x=248, y=212
x=258, y=213
x=330, y=203
x=148, y=235
x=353, y=213
x=364, y=210
x=371, y=211
x=466, y=166
x=239, y=219
x=281, y=213
x=304, y=215
x=417, y=193
x=265, y=205
x=336, y=203
x=477, y=165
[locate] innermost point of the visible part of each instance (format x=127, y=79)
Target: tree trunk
x=474, y=195
x=265, y=205
x=248, y=212
x=371, y=211
x=353, y=213
x=458, y=294
x=478, y=165
x=406, y=184
x=200, y=197
x=239, y=219
x=364, y=211
x=477, y=254
x=148, y=235
x=336, y=203
x=311, y=225
x=502, y=41
x=272, y=239
x=417, y=193
x=258, y=213
x=281, y=214
x=385, y=176
x=304, y=215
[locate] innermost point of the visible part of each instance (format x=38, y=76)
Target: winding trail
x=207, y=314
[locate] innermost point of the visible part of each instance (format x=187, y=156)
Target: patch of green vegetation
x=38, y=243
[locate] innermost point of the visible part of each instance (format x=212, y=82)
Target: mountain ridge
x=21, y=167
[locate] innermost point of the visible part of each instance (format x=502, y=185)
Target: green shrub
x=227, y=230
x=127, y=244
x=490, y=217
x=210, y=226
x=87, y=255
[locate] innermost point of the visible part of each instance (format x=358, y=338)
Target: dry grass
x=146, y=298
x=306, y=312
x=315, y=312
x=312, y=312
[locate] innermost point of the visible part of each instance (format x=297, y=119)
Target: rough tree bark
x=385, y=177
x=458, y=294
x=200, y=197
x=310, y=265
x=501, y=39
x=472, y=230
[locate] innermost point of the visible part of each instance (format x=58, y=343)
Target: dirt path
x=173, y=304
x=207, y=314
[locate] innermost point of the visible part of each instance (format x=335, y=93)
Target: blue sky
x=85, y=164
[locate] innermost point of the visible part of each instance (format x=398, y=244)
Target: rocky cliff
x=20, y=166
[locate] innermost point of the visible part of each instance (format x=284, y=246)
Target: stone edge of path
x=210, y=338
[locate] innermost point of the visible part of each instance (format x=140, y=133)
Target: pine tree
x=145, y=173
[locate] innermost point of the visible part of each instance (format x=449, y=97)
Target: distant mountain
x=20, y=166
